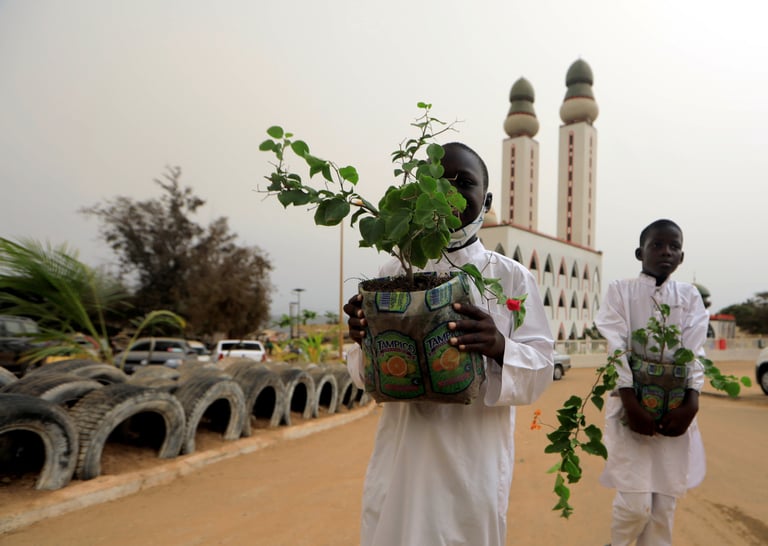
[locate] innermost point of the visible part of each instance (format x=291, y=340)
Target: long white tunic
x=639, y=463
x=440, y=474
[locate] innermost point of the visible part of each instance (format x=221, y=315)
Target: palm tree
x=66, y=297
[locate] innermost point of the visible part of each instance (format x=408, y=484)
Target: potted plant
x=407, y=354
x=659, y=386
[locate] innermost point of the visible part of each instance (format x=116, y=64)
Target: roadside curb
x=107, y=488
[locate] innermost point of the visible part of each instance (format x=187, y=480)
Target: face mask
x=460, y=237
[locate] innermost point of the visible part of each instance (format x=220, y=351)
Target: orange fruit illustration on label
x=384, y=367
x=650, y=402
x=449, y=360
x=397, y=366
x=437, y=366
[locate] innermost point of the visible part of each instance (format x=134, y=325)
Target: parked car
x=203, y=353
x=761, y=370
x=240, y=348
x=164, y=351
x=15, y=341
x=562, y=363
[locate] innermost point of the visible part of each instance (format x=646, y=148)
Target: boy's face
x=662, y=252
x=465, y=173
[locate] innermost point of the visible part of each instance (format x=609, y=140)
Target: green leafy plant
x=412, y=221
x=52, y=286
x=575, y=433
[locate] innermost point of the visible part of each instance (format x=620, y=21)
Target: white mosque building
x=567, y=266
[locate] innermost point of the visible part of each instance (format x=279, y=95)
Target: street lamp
x=298, y=312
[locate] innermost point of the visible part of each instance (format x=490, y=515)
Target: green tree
x=65, y=296
x=331, y=317
x=752, y=315
x=174, y=263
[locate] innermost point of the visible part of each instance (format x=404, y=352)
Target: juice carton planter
x=406, y=352
x=659, y=387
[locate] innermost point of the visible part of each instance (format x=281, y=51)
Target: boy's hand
x=478, y=332
x=677, y=421
x=638, y=419
x=356, y=322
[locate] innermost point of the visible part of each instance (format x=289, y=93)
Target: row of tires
x=58, y=418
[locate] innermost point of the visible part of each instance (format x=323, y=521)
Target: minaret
x=520, y=159
x=577, y=159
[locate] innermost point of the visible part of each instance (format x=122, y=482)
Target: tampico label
x=450, y=370
x=397, y=365
x=439, y=297
x=393, y=302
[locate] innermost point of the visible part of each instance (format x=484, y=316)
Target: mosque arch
x=562, y=276
x=575, y=275
x=585, y=284
x=561, y=332
x=518, y=256
x=561, y=309
x=596, y=281
x=573, y=312
x=574, y=332
x=548, y=271
x=595, y=305
x=533, y=266
x=548, y=304
x=500, y=249
x=585, y=308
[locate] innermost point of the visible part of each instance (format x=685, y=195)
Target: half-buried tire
x=220, y=400
x=264, y=396
x=63, y=389
x=326, y=397
x=23, y=414
x=102, y=411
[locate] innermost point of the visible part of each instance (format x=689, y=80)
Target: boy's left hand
x=677, y=421
x=478, y=332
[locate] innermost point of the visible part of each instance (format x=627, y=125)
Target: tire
x=62, y=389
x=6, y=377
x=326, y=391
x=19, y=412
x=198, y=394
x=100, y=412
x=558, y=373
x=347, y=388
x=106, y=374
x=762, y=377
x=299, y=393
x=264, y=396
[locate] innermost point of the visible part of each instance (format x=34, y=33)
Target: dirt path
x=307, y=491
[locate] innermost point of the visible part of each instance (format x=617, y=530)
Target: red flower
x=513, y=304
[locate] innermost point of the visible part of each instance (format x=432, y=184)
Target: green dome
x=579, y=80
x=521, y=90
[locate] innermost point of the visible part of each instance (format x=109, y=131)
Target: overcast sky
x=98, y=97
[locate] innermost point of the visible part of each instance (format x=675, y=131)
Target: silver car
x=163, y=351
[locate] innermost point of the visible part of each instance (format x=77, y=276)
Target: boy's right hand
x=638, y=419
x=356, y=322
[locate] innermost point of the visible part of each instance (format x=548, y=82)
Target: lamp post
x=298, y=312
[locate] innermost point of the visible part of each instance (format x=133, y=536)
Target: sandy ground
x=307, y=491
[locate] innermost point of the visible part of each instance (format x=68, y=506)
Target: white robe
x=638, y=463
x=440, y=474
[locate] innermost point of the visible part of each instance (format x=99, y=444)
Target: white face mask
x=460, y=237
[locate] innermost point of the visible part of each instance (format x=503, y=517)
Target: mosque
x=567, y=266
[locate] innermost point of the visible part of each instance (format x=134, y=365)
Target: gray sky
x=97, y=97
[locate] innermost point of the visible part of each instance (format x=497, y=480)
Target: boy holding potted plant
x=655, y=451
x=441, y=473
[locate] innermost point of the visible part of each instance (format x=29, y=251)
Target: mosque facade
x=567, y=265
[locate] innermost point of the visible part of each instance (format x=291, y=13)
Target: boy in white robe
x=440, y=474
x=652, y=463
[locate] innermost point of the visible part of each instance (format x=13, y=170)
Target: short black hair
x=661, y=223
x=474, y=153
